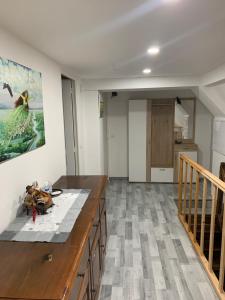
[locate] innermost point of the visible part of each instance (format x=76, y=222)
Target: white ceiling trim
x=215, y=77
x=139, y=83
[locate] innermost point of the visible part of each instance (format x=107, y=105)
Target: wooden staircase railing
x=205, y=230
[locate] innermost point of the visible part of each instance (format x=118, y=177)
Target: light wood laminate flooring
x=149, y=255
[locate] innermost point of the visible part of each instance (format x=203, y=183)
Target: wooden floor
x=149, y=255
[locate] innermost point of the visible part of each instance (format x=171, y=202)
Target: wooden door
x=162, y=141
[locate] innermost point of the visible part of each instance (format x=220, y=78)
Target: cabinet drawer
x=81, y=280
x=95, y=264
x=101, y=205
x=161, y=174
x=81, y=286
x=84, y=261
x=96, y=239
x=95, y=227
x=103, y=239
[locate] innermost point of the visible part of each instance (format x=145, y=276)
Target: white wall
x=218, y=147
x=212, y=95
x=203, y=134
x=217, y=158
x=47, y=162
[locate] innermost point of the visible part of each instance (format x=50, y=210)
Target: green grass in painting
x=20, y=131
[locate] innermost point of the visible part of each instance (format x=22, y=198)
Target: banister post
x=212, y=227
x=190, y=199
x=185, y=189
x=180, y=187
x=190, y=221
x=222, y=256
x=196, y=206
x=203, y=215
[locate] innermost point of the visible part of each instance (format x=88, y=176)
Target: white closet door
x=137, y=140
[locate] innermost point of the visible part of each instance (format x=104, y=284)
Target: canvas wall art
x=21, y=110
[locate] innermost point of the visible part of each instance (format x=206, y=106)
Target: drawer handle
x=95, y=225
x=49, y=257
x=65, y=292
x=162, y=169
x=80, y=274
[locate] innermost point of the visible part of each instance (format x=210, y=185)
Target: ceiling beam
x=121, y=84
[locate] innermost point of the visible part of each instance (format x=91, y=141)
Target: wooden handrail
x=190, y=218
x=204, y=172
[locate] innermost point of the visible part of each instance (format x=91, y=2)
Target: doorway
x=70, y=125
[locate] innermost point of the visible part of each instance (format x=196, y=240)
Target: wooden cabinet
x=153, y=154
x=74, y=273
x=88, y=279
x=162, y=126
x=161, y=134
x=151, y=140
x=81, y=287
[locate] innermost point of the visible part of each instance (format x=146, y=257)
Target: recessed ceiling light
x=153, y=50
x=168, y=1
x=147, y=71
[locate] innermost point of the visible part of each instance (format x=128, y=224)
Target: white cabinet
x=137, y=120
x=152, y=153
x=161, y=174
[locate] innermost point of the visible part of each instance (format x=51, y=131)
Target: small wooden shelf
x=185, y=147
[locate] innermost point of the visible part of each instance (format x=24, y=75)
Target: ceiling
x=109, y=38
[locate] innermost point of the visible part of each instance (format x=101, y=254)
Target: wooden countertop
x=185, y=147
x=24, y=271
